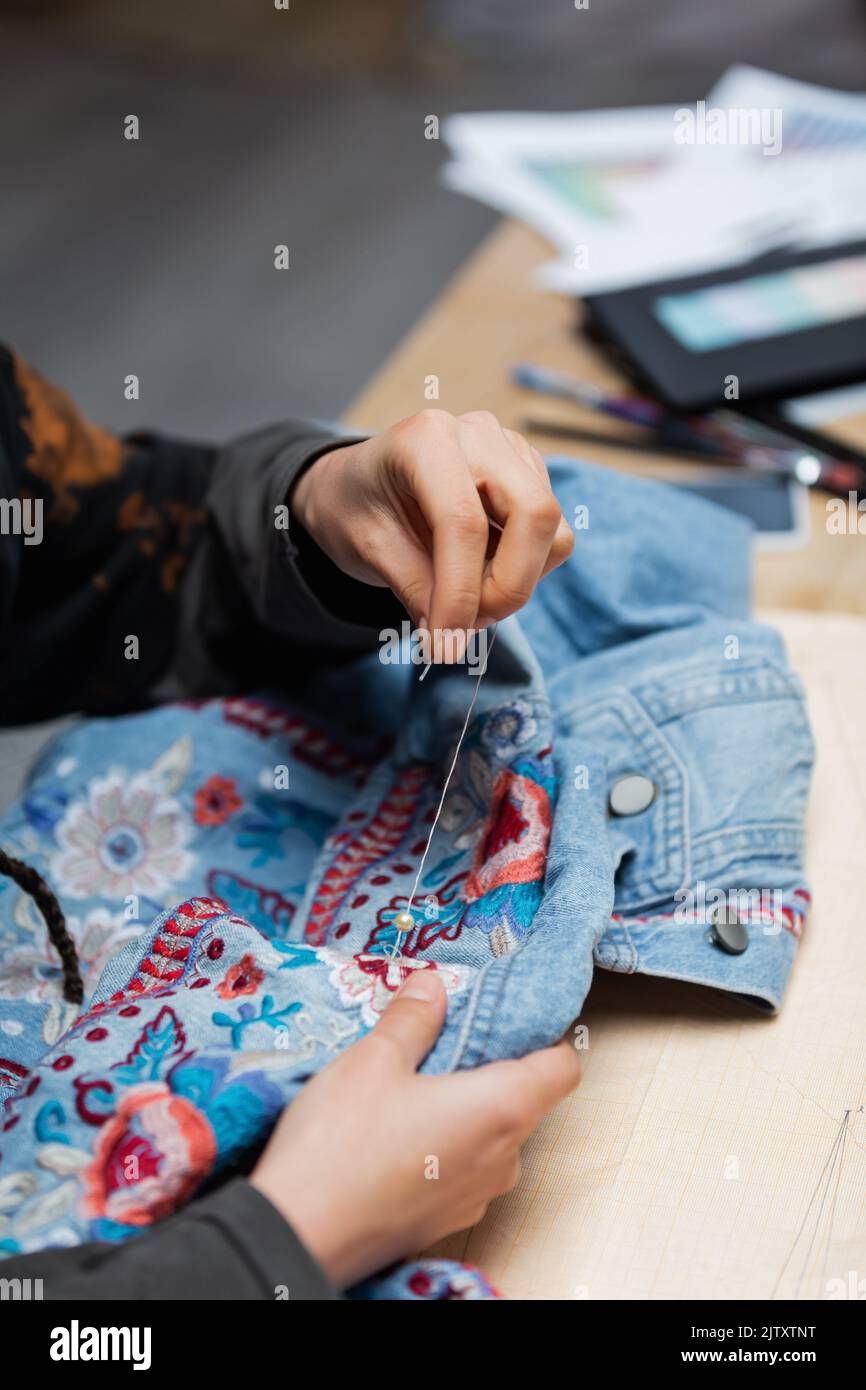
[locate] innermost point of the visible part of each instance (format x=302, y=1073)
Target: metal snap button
x=728, y=931
x=631, y=794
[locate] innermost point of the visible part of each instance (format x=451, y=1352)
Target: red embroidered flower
x=149, y=1157
x=513, y=847
x=216, y=800
x=243, y=978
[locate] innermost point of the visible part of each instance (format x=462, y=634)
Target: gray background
x=304, y=127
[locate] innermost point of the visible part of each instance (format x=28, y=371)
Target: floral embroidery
x=263, y=830
x=242, y=978
x=371, y=980
x=439, y=1279
x=158, y=1041
x=508, y=729
x=513, y=848
x=149, y=1158
x=430, y=1280
x=128, y=837
x=438, y=918
x=33, y=972
x=168, y=960
x=216, y=800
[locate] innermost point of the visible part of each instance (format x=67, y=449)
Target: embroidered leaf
x=47, y=1208
x=61, y=1158
x=15, y=1188
x=26, y=915
x=298, y=955
x=172, y=766
x=58, y=1019
x=160, y=1039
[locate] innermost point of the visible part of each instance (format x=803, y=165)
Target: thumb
x=414, y=1018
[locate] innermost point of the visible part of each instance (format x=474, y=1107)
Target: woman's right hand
x=373, y=1161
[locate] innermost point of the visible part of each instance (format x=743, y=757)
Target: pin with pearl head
x=403, y=923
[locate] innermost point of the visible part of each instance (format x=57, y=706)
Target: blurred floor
x=306, y=127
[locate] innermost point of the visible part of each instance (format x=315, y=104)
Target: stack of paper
x=641, y=193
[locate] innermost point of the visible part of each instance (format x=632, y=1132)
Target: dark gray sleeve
x=260, y=598
x=232, y=1245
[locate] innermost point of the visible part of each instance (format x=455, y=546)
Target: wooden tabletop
x=492, y=316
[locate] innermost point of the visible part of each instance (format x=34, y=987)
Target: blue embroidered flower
x=508, y=729
x=262, y=830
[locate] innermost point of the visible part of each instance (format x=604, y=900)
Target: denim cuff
x=684, y=945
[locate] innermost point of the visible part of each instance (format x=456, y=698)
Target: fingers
x=414, y=1018
x=517, y=1094
x=548, y=1076
x=452, y=508
x=408, y=571
x=529, y=519
x=563, y=541
x=513, y=480
x=462, y=473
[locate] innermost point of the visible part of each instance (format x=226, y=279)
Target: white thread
x=396, y=953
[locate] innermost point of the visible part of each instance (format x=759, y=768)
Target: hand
x=349, y=1163
x=412, y=508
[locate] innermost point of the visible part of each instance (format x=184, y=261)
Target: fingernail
x=421, y=984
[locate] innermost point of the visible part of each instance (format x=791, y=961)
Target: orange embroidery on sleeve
x=67, y=450
x=172, y=528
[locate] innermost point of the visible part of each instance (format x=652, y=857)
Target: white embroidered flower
x=128, y=837
x=33, y=972
x=371, y=981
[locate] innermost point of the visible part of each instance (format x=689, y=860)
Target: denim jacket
x=637, y=762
